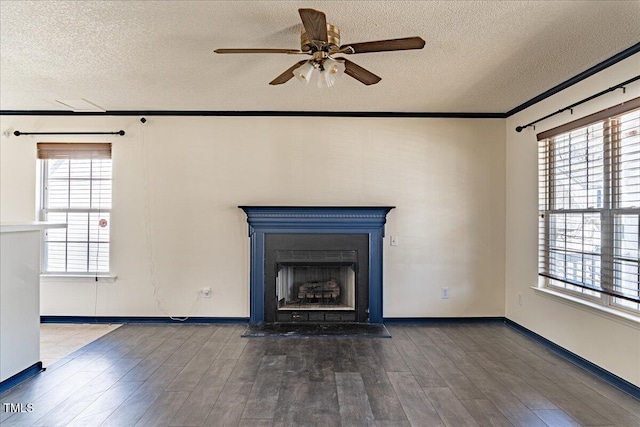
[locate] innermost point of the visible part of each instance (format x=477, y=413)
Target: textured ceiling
x=480, y=56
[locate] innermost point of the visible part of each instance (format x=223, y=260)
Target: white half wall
x=178, y=181
x=608, y=341
x=19, y=301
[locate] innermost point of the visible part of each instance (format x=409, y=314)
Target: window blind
x=71, y=150
x=589, y=201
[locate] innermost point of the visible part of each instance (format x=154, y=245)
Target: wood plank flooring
x=452, y=375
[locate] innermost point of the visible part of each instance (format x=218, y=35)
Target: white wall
x=178, y=181
x=609, y=342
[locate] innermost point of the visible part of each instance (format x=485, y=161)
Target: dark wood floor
x=194, y=375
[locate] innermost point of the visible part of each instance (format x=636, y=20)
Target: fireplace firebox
x=316, y=264
x=312, y=277
x=316, y=287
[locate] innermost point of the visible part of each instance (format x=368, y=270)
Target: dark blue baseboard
x=21, y=376
x=592, y=368
x=138, y=319
x=441, y=320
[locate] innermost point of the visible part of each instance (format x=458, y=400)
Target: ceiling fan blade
x=287, y=75
x=257, y=51
x=359, y=73
x=315, y=24
x=406, y=43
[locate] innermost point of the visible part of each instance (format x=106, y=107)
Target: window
x=589, y=198
x=76, y=189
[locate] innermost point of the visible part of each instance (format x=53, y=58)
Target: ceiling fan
x=322, y=41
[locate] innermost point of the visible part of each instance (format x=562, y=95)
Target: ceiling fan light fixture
x=333, y=67
x=305, y=72
x=325, y=79
x=331, y=71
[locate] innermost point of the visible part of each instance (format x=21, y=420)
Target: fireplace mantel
x=263, y=220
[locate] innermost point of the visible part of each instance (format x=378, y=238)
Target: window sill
x=609, y=312
x=57, y=277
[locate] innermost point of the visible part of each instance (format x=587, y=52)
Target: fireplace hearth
x=318, y=265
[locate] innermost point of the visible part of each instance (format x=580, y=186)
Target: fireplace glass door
x=316, y=287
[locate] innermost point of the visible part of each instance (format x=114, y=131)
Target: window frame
x=43, y=210
x=609, y=210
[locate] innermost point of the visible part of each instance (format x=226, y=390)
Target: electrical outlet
x=206, y=292
x=444, y=293
x=519, y=299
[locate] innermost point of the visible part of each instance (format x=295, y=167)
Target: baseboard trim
x=139, y=319
x=21, y=376
x=590, y=367
x=441, y=320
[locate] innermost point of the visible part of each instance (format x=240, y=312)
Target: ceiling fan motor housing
x=333, y=40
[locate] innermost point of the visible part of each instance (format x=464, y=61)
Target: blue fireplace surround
x=263, y=220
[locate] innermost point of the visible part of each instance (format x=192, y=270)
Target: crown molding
x=256, y=113
x=576, y=79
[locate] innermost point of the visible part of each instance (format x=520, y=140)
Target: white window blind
x=76, y=189
x=589, y=198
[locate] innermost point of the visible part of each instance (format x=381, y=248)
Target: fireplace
x=316, y=264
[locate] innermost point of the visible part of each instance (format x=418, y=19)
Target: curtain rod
x=18, y=133
x=570, y=107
